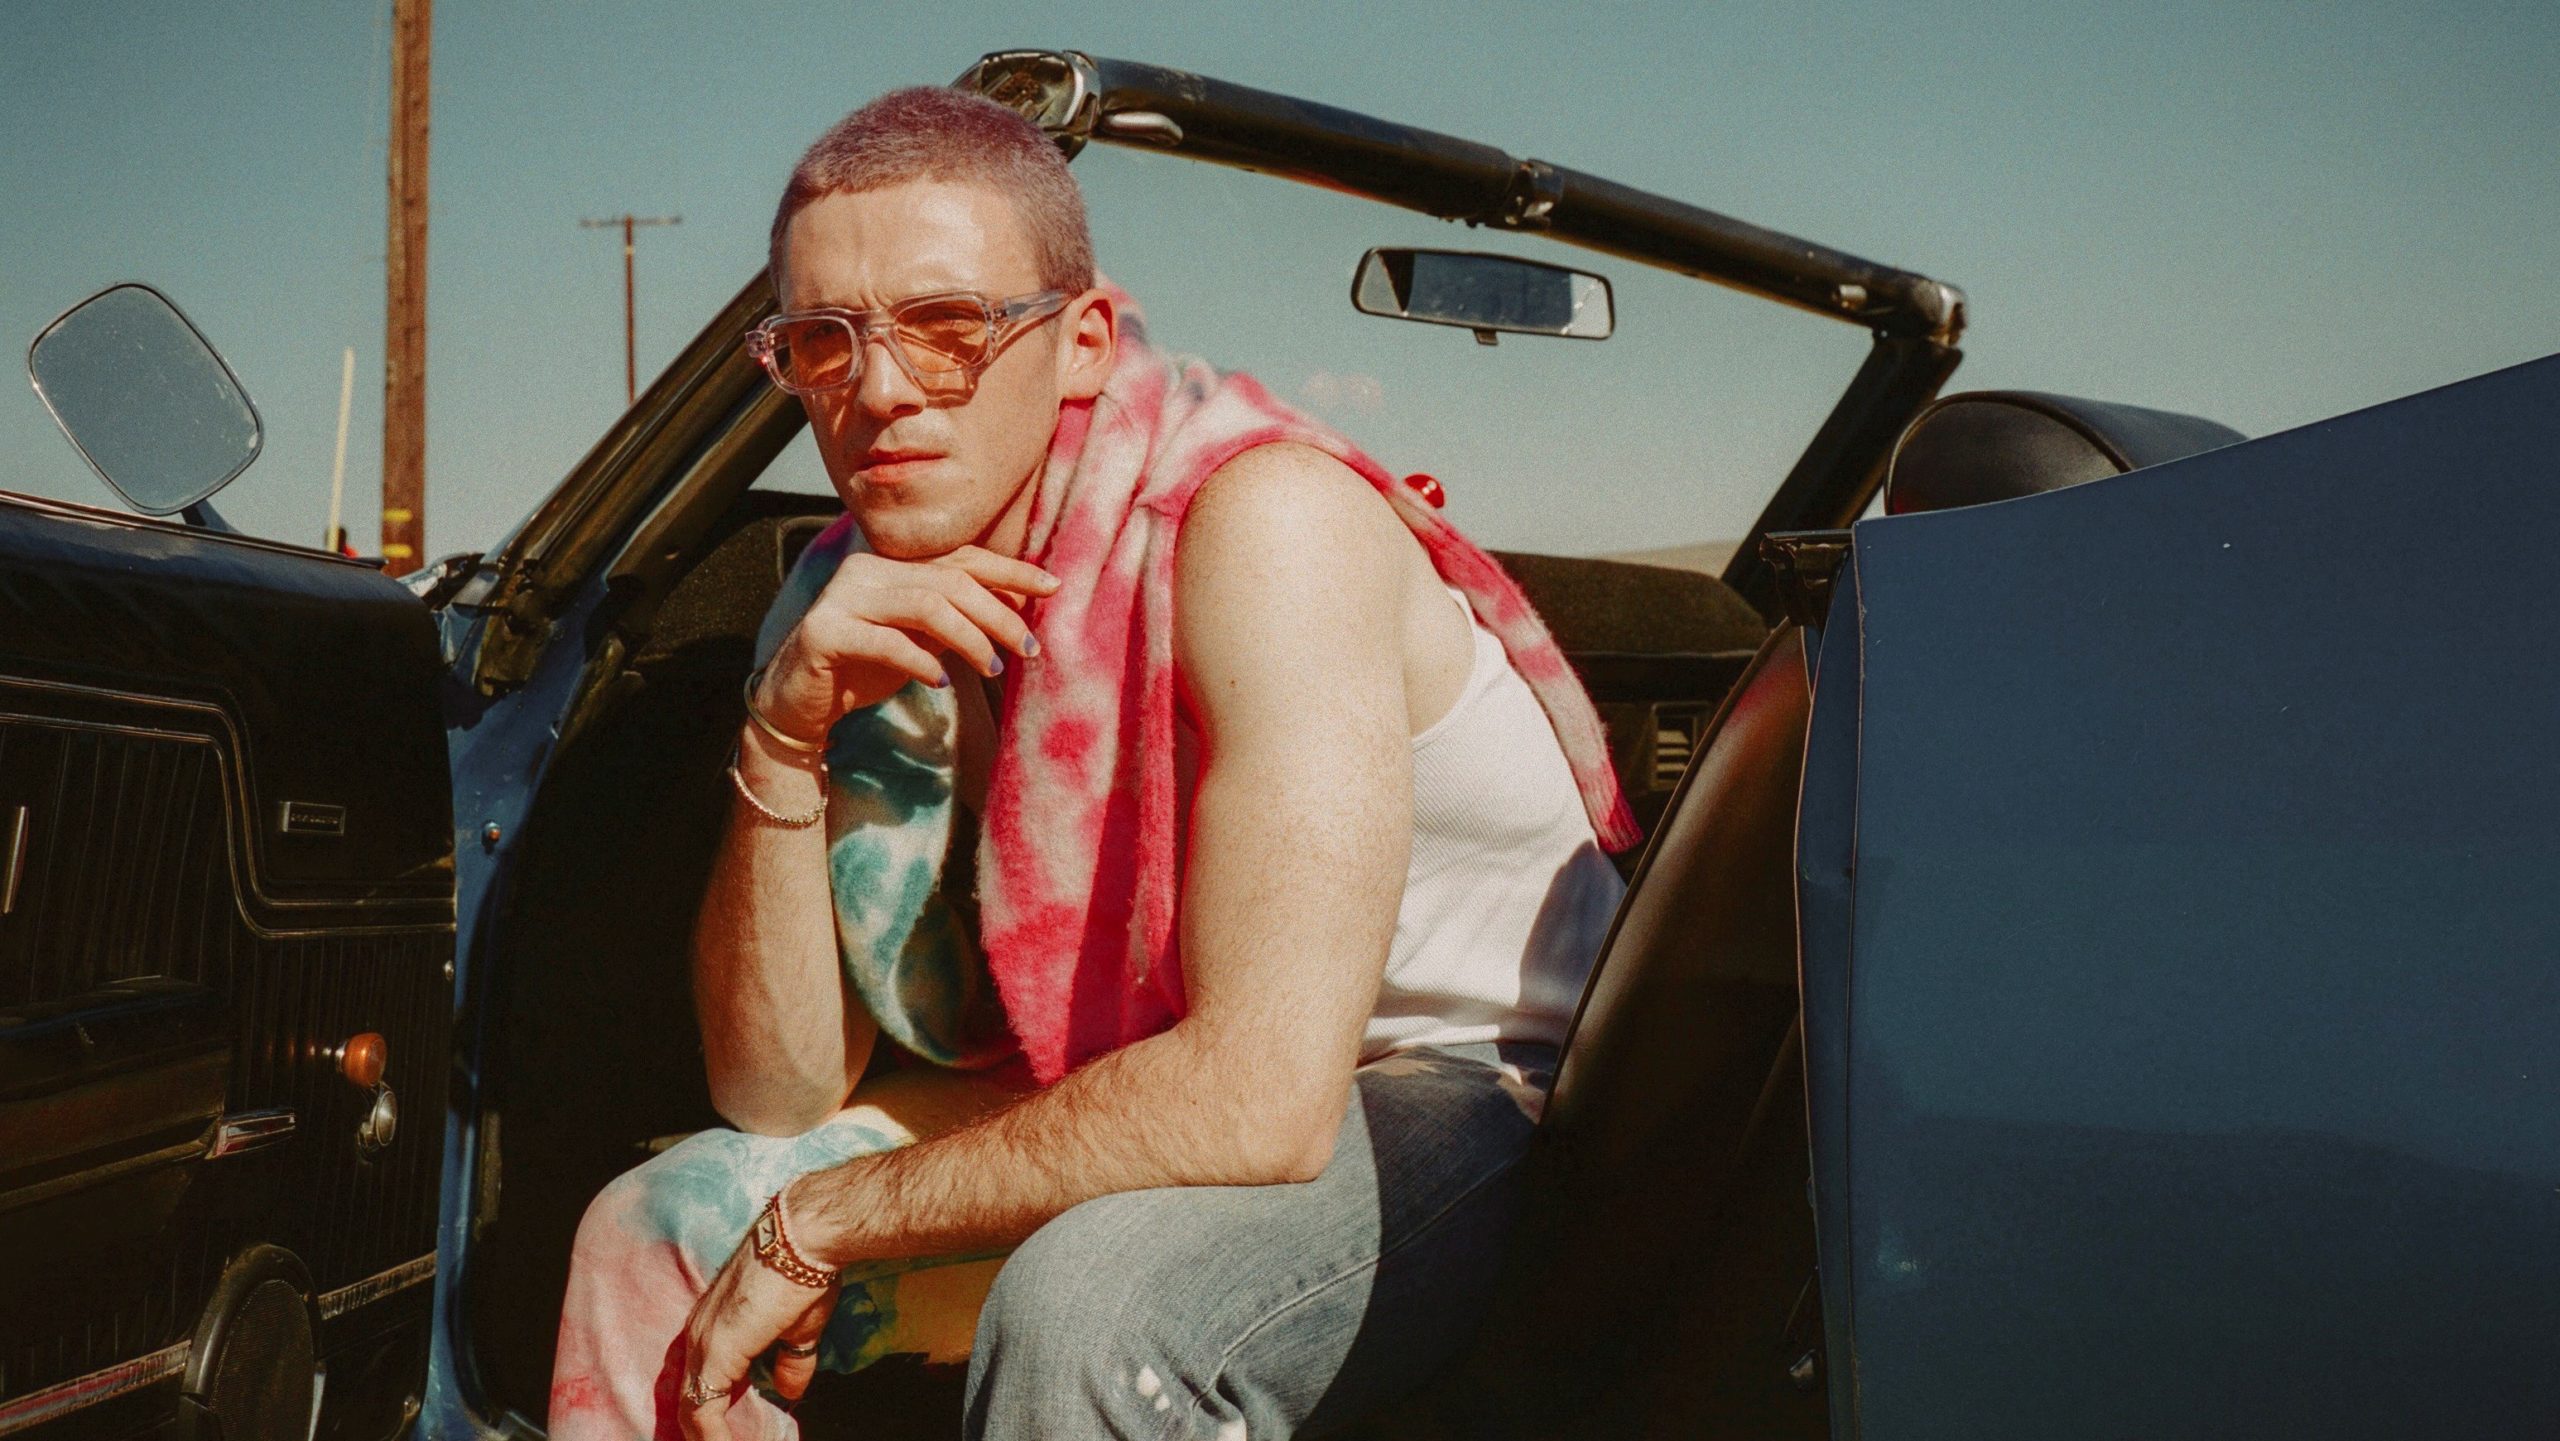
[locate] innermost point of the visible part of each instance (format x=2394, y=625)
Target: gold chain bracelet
x=773, y=1246
x=747, y=794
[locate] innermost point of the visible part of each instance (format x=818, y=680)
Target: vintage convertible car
x=2091, y=971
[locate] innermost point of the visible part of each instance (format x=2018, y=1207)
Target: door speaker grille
x=262, y=1380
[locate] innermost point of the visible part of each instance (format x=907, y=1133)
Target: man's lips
x=894, y=464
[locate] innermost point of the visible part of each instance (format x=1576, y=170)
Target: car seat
x=1988, y=445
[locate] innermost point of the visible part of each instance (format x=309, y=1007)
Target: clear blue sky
x=2265, y=213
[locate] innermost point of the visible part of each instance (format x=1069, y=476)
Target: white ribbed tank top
x=1508, y=894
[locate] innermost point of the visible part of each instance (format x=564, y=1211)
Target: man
x=1259, y=1191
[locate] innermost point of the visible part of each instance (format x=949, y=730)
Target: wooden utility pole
x=404, y=337
x=630, y=307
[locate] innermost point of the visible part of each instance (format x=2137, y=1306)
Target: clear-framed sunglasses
x=942, y=341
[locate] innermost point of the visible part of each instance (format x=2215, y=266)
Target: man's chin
x=902, y=534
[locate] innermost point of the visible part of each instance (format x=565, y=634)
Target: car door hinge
x=1805, y=563
x=511, y=639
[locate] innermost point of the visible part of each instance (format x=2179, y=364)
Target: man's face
x=925, y=474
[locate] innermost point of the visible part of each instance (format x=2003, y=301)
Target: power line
x=630, y=348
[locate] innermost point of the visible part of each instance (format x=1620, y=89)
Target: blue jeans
x=1179, y=1311
x=1270, y=1311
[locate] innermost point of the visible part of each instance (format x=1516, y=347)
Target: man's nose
x=883, y=389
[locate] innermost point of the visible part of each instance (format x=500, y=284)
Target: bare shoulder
x=1288, y=516
x=1287, y=559
x=1285, y=488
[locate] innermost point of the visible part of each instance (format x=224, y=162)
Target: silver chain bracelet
x=768, y=812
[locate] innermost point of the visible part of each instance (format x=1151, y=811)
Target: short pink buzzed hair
x=933, y=132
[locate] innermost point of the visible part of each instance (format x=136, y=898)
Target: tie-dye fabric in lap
x=1077, y=861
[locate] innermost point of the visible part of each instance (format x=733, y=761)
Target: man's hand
x=879, y=622
x=749, y=1307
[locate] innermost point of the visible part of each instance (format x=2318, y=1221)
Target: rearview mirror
x=1484, y=293
x=144, y=399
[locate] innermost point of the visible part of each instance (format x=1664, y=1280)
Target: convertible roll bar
x=1916, y=321
x=1077, y=98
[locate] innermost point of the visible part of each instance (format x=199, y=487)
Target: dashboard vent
x=1676, y=729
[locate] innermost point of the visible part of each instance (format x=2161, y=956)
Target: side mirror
x=144, y=399
x=1484, y=293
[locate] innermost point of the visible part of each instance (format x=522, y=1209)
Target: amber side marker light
x=363, y=1058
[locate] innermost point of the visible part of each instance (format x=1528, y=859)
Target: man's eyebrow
x=829, y=303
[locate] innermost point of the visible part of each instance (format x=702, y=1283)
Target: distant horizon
x=1706, y=555
x=2266, y=219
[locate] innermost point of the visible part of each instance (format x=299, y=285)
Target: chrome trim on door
x=248, y=1131
x=54, y=1402
x=334, y=1304
x=37, y=1407
x=99, y=1175
x=13, y=869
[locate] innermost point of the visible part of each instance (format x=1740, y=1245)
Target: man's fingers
x=996, y=572
x=889, y=646
x=792, y=1372
x=1002, y=572
x=931, y=615
x=894, y=615
x=996, y=608
x=991, y=615
x=705, y=1420
x=703, y=1423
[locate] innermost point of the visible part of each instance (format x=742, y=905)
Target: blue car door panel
x=2177, y=865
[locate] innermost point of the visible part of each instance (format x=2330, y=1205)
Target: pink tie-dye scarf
x=1078, y=868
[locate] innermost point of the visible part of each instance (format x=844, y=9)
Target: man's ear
x=1091, y=327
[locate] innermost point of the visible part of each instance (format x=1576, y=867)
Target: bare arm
x=1289, y=645
x=783, y=1039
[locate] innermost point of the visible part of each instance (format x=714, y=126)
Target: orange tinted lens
x=943, y=336
x=814, y=353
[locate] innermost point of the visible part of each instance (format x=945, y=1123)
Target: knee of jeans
x=1077, y=1290
x=1080, y=1334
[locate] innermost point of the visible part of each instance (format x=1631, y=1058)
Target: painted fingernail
x=942, y=682
x=995, y=665
x=1030, y=643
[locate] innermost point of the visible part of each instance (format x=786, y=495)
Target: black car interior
x=1662, y=1278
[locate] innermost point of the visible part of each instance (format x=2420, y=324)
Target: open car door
x=226, y=929
x=2176, y=871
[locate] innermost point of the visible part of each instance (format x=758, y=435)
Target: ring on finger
x=697, y=1394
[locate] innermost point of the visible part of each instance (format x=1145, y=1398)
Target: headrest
x=2001, y=444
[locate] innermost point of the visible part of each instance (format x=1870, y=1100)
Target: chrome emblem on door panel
x=310, y=818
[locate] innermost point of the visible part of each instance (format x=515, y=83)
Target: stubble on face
x=923, y=475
